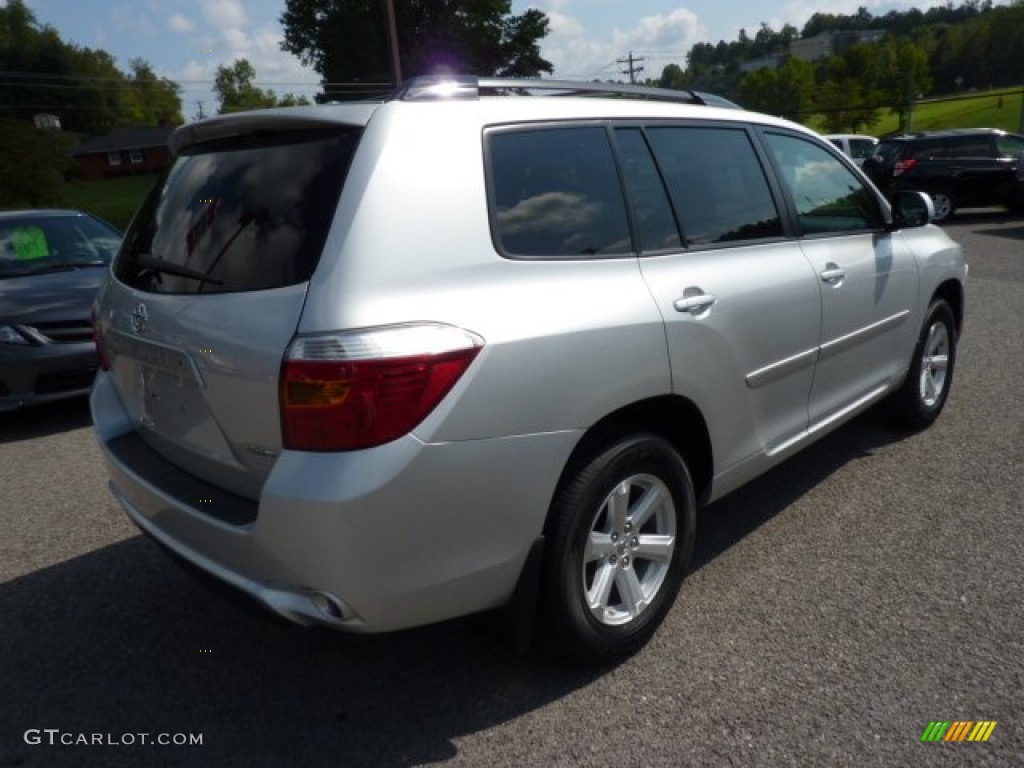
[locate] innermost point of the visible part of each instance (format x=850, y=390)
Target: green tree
x=906, y=76
x=673, y=76
x=83, y=87
x=32, y=164
x=235, y=89
x=787, y=92
x=152, y=100
x=346, y=41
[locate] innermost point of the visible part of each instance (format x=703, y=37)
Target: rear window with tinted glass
x=239, y=214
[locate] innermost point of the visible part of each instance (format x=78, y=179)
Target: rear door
x=740, y=302
x=209, y=287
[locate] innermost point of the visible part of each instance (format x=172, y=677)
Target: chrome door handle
x=833, y=274
x=694, y=303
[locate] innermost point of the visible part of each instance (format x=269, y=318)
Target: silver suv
x=489, y=343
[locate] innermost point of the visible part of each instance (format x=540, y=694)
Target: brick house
x=126, y=151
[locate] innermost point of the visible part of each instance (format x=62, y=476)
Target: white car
x=855, y=145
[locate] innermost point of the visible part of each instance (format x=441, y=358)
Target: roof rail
x=437, y=87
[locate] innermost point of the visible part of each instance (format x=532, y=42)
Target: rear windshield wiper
x=166, y=267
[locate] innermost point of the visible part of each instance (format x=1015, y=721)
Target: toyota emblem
x=140, y=318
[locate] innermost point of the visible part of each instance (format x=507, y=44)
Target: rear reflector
x=358, y=389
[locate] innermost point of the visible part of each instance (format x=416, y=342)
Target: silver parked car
x=489, y=343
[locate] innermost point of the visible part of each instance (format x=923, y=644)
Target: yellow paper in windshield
x=30, y=243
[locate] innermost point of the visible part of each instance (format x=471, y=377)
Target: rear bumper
x=30, y=375
x=400, y=535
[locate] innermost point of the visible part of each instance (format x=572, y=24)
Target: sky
x=186, y=40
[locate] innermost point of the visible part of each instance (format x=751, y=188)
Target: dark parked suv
x=970, y=167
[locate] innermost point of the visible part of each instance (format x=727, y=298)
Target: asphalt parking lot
x=838, y=605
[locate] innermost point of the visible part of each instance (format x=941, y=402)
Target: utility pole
x=200, y=115
x=633, y=70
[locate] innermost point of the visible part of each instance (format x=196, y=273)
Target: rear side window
x=959, y=146
x=241, y=214
x=555, y=193
x=716, y=183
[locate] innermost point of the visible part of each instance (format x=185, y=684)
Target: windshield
x=36, y=244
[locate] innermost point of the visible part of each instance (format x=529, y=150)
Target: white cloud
x=224, y=14
x=561, y=25
x=577, y=55
x=678, y=30
x=180, y=23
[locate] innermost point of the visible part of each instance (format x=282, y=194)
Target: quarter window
x=716, y=183
x=827, y=195
x=556, y=194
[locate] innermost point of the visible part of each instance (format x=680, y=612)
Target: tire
x=609, y=577
x=919, y=400
x=944, y=202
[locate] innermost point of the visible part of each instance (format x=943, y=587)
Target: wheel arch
x=952, y=292
x=671, y=417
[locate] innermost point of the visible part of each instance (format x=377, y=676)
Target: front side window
x=135, y=156
x=827, y=195
x=240, y=214
x=555, y=193
x=113, y=158
x=717, y=185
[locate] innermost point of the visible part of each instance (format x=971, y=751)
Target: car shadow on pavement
x=119, y=641
x=44, y=420
x=724, y=523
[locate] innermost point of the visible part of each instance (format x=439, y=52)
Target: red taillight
x=98, y=340
x=356, y=390
x=903, y=166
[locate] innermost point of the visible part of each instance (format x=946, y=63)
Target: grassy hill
x=115, y=200
x=991, y=109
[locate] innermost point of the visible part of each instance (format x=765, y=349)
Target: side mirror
x=911, y=209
